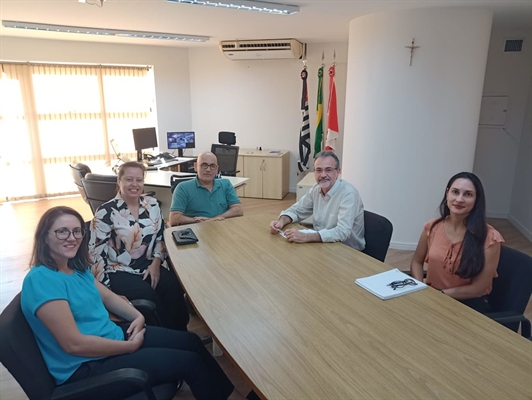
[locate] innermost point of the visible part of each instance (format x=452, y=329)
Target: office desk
x=293, y=320
x=159, y=182
x=176, y=161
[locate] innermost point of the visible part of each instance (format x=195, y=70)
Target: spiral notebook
x=379, y=284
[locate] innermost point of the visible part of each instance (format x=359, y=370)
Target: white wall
x=259, y=100
x=507, y=74
x=521, y=206
x=170, y=67
x=410, y=128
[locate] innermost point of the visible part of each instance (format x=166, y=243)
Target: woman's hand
x=154, y=272
x=135, y=327
x=137, y=339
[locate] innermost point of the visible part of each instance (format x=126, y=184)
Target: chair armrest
x=508, y=317
x=127, y=380
x=144, y=305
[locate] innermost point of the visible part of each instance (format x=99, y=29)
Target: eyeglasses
x=211, y=166
x=400, y=284
x=64, y=234
x=328, y=171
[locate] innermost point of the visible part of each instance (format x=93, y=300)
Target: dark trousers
x=479, y=304
x=168, y=356
x=168, y=296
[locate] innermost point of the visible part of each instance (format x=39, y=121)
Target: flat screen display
x=181, y=140
x=145, y=138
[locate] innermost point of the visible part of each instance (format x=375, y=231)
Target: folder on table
x=379, y=284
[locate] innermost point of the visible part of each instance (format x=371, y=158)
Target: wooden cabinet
x=267, y=172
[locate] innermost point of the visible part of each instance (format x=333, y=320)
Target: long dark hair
x=41, y=251
x=472, y=260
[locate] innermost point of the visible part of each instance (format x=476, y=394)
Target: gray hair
x=328, y=153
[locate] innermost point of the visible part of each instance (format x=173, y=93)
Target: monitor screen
x=145, y=138
x=181, y=140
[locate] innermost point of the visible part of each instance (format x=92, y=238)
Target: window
x=52, y=115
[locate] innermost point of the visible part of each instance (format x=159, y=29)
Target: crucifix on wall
x=412, y=47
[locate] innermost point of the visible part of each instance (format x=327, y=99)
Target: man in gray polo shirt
x=335, y=205
x=204, y=198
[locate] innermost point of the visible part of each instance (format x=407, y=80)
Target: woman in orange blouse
x=461, y=250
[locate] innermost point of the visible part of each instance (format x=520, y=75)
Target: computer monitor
x=144, y=138
x=180, y=140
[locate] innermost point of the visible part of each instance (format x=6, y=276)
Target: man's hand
x=153, y=271
x=293, y=235
x=200, y=219
x=276, y=226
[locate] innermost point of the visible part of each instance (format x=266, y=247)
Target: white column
x=408, y=129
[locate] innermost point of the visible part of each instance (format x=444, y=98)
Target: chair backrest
x=378, y=233
x=227, y=158
x=177, y=179
x=79, y=171
x=512, y=288
x=21, y=355
x=99, y=191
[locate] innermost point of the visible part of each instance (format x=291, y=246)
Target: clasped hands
x=292, y=235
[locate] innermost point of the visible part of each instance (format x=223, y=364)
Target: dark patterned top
x=119, y=242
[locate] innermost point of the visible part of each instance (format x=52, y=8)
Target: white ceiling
x=318, y=20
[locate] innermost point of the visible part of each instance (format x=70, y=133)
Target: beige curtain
x=53, y=115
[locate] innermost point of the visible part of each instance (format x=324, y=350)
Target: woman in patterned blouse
x=127, y=249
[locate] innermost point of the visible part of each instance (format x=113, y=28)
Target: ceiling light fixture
x=103, y=32
x=249, y=5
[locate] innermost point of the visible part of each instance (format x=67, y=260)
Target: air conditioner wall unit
x=271, y=49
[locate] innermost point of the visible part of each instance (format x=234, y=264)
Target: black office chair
x=177, y=179
x=99, y=189
x=227, y=158
x=79, y=170
x=378, y=233
x=511, y=290
x=20, y=354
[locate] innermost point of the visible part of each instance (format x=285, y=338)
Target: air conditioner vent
x=265, y=49
x=513, y=45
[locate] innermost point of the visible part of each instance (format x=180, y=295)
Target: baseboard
x=497, y=215
x=403, y=246
x=526, y=233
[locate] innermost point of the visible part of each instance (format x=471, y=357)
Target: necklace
x=454, y=235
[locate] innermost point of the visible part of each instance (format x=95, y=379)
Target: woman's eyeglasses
x=400, y=284
x=64, y=234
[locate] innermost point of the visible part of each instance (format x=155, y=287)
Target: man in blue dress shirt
x=335, y=205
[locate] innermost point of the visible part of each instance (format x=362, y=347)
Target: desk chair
x=79, y=171
x=21, y=355
x=99, y=189
x=177, y=179
x=511, y=290
x=227, y=158
x=378, y=233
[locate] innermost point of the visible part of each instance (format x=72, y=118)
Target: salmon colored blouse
x=443, y=257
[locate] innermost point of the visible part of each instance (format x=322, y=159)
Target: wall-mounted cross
x=412, y=47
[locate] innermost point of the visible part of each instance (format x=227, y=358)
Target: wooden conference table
x=292, y=319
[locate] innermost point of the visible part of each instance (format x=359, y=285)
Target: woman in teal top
x=68, y=311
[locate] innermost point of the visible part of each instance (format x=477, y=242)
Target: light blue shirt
x=194, y=200
x=42, y=285
x=338, y=216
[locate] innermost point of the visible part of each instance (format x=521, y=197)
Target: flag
x=304, y=134
x=318, y=140
x=333, y=132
